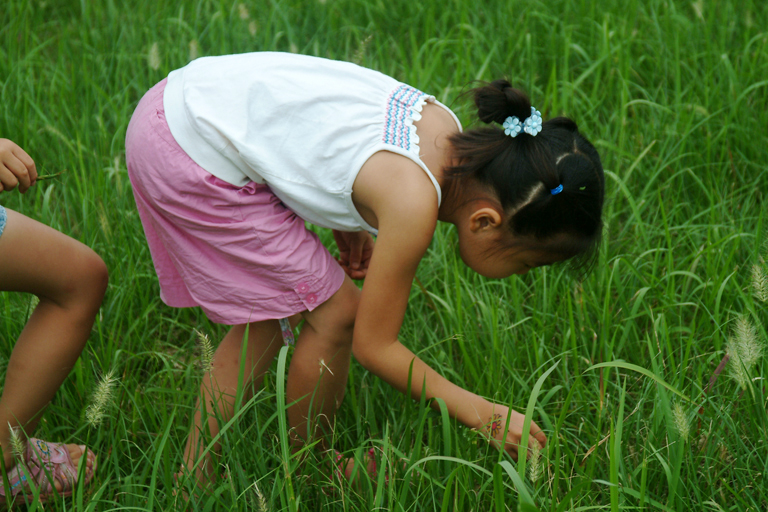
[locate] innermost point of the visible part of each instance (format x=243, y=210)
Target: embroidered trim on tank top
x=404, y=107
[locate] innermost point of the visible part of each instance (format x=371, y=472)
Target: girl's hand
x=355, y=250
x=16, y=167
x=510, y=439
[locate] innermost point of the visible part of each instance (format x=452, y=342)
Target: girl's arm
x=406, y=223
x=402, y=241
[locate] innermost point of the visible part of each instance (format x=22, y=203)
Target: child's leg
x=70, y=280
x=325, y=338
x=319, y=367
x=219, y=386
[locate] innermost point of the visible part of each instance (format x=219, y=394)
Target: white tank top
x=302, y=125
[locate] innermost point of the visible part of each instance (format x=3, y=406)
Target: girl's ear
x=484, y=218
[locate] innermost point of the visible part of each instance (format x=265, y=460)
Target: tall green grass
x=674, y=96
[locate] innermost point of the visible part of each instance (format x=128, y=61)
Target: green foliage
x=674, y=96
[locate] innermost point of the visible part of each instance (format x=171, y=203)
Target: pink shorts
x=237, y=252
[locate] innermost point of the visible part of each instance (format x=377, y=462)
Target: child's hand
x=16, y=167
x=494, y=427
x=355, y=251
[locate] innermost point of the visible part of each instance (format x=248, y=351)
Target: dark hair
x=523, y=170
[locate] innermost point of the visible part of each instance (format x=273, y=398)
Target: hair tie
x=557, y=189
x=531, y=125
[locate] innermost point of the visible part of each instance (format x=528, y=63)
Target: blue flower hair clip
x=532, y=124
x=512, y=126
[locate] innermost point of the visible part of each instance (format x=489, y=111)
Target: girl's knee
x=97, y=277
x=336, y=317
x=347, y=305
x=86, y=283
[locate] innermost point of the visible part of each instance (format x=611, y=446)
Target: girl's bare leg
x=219, y=388
x=70, y=280
x=317, y=377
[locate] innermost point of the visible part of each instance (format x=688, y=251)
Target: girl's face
x=496, y=260
x=488, y=247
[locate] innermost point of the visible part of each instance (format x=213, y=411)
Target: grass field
x=674, y=96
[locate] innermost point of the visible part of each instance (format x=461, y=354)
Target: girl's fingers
x=352, y=273
x=19, y=171
x=355, y=254
x=28, y=163
x=8, y=179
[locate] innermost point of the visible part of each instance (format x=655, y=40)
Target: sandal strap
x=50, y=462
x=44, y=464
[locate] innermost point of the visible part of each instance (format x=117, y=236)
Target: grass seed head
x=360, y=52
x=206, y=352
x=153, y=58
x=194, y=49
x=18, y=447
x=745, y=350
x=242, y=10
x=760, y=283
x=34, y=300
x=698, y=8
x=535, y=466
x=102, y=397
x=260, y=498
x=682, y=424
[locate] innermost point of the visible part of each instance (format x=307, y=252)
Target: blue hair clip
x=512, y=126
x=557, y=189
x=532, y=124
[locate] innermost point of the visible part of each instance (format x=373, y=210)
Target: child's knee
x=348, y=312
x=87, y=282
x=97, y=278
x=337, y=316
x=344, y=321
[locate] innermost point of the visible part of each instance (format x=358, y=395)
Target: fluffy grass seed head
x=357, y=58
x=34, y=300
x=104, y=221
x=242, y=11
x=759, y=283
x=260, y=499
x=194, y=49
x=682, y=424
x=102, y=397
x=534, y=464
x=698, y=8
x=17, y=443
x=153, y=57
x=745, y=350
x=206, y=352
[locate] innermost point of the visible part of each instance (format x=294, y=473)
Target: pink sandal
x=45, y=464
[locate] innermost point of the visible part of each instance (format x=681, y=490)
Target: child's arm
x=404, y=235
x=16, y=167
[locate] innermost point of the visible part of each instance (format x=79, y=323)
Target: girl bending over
x=229, y=156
